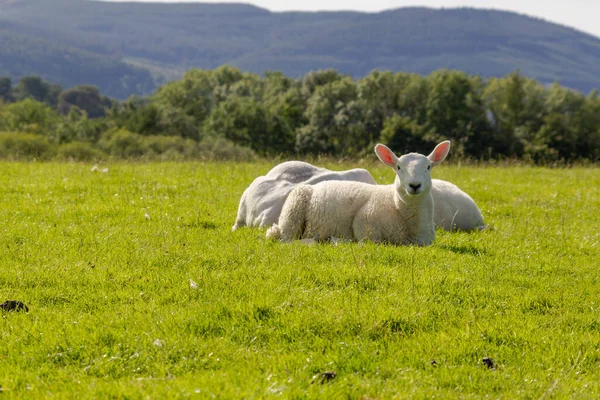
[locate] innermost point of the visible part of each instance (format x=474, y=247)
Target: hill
x=129, y=48
x=23, y=55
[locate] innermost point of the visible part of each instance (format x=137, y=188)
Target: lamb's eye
x=398, y=168
x=428, y=167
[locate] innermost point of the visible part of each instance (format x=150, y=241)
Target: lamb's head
x=413, y=177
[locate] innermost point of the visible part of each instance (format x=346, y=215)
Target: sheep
x=453, y=209
x=262, y=201
x=400, y=213
x=303, y=172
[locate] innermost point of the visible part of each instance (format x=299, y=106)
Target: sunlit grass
x=104, y=262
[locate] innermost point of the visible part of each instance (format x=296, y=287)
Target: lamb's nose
x=414, y=186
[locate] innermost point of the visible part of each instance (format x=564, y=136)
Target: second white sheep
x=262, y=201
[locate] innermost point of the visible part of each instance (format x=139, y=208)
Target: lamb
x=262, y=201
x=400, y=213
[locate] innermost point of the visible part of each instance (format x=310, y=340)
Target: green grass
x=112, y=313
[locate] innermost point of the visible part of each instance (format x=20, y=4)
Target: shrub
x=80, y=151
x=18, y=145
x=30, y=116
x=162, y=145
x=122, y=143
x=222, y=149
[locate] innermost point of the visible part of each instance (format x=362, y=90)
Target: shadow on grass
x=201, y=224
x=470, y=250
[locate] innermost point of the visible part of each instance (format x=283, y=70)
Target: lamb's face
x=413, y=178
x=414, y=175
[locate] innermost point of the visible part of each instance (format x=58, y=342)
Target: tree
x=76, y=126
x=33, y=87
x=6, y=90
x=184, y=105
x=316, y=79
x=246, y=122
x=588, y=145
x=378, y=94
x=334, y=119
x=289, y=106
x=84, y=97
x=138, y=115
x=455, y=111
x=30, y=116
x=413, y=92
x=405, y=135
x=515, y=107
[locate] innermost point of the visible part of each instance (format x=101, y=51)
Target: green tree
x=413, y=92
x=403, y=135
x=315, y=79
x=31, y=116
x=136, y=114
x=6, y=90
x=84, y=97
x=378, y=94
x=246, y=122
x=516, y=108
x=588, y=145
x=76, y=126
x=334, y=119
x=564, y=122
x=455, y=111
x=290, y=107
x=184, y=105
x=33, y=87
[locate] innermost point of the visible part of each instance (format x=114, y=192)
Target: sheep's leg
x=240, y=220
x=292, y=220
x=362, y=229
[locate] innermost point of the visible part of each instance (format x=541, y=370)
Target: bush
x=222, y=149
x=171, y=145
x=30, y=116
x=123, y=144
x=80, y=151
x=18, y=145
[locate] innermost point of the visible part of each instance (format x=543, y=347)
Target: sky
x=583, y=15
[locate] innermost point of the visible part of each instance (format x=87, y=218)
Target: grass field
x=104, y=262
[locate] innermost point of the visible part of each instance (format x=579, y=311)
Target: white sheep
x=262, y=201
x=400, y=213
x=453, y=209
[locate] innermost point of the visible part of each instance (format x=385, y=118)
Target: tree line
x=225, y=113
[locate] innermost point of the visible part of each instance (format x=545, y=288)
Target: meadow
x=137, y=288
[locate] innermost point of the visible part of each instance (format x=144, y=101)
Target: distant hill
x=22, y=55
x=130, y=48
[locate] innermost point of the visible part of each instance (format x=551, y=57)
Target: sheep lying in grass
x=263, y=200
x=400, y=213
x=454, y=209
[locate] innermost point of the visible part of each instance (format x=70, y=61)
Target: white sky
x=580, y=14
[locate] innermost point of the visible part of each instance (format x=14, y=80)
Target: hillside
x=128, y=48
x=22, y=55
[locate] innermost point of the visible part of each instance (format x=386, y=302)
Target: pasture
x=137, y=288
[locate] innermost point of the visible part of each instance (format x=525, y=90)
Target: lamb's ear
x=386, y=155
x=440, y=153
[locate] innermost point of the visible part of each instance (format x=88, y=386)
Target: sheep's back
x=453, y=208
x=335, y=206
